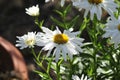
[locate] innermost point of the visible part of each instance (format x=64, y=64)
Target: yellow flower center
x=118, y=27
x=95, y=1
x=30, y=42
x=60, y=38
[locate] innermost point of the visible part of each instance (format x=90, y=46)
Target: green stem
x=71, y=70
x=95, y=66
x=36, y=21
x=94, y=38
x=58, y=71
x=64, y=22
x=40, y=63
x=43, y=67
x=84, y=25
x=39, y=23
x=33, y=52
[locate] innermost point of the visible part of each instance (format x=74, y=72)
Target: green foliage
x=99, y=59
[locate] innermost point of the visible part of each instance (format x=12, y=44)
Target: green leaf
x=49, y=65
x=73, y=21
x=43, y=75
x=84, y=24
x=86, y=55
x=60, y=61
x=67, y=9
x=60, y=13
x=57, y=22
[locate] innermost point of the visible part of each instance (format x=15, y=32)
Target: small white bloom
x=33, y=11
x=66, y=43
x=47, y=1
x=95, y=7
x=27, y=40
x=62, y=3
x=113, y=31
x=75, y=77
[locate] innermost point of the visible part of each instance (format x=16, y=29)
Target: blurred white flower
x=62, y=3
x=75, y=77
x=66, y=43
x=47, y=1
x=33, y=11
x=95, y=7
x=27, y=40
x=113, y=31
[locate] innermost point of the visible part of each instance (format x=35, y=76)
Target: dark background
x=15, y=22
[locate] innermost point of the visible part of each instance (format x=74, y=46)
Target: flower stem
x=71, y=70
x=95, y=66
x=33, y=52
x=39, y=23
x=58, y=70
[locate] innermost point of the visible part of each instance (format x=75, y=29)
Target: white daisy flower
x=33, y=11
x=66, y=43
x=113, y=31
x=75, y=77
x=27, y=40
x=95, y=7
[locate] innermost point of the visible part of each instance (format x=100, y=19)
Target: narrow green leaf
x=60, y=13
x=43, y=75
x=86, y=55
x=67, y=9
x=57, y=22
x=84, y=24
x=73, y=21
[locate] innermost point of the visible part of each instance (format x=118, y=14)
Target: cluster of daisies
x=67, y=43
x=95, y=8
